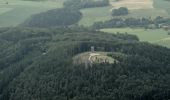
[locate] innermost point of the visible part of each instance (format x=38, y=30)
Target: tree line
x=120, y=11
x=80, y=4
x=63, y=17
x=54, y=18
x=158, y=22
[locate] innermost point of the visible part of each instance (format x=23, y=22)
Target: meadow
x=162, y=4
x=156, y=36
x=137, y=10
x=91, y=15
x=17, y=11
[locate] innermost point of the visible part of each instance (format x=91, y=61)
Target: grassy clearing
x=96, y=57
x=16, y=11
x=3, y=10
x=91, y=15
x=156, y=36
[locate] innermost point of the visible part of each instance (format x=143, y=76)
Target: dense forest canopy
x=120, y=11
x=37, y=58
x=54, y=18
x=37, y=64
x=158, y=22
x=80, y=4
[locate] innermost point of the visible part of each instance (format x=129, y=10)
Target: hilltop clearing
x=93, y=58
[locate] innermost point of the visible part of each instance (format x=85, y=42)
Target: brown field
x=133, y=4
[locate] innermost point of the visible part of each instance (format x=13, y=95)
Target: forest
x=37, y=57
x=80, y=4
x=37, y=65
x=68, y=15
x=54, y=18
x=120, y=11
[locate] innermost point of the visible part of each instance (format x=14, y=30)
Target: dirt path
x=92, y=55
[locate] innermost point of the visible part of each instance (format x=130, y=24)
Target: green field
x=162, y=4
x=91, y=15
x=148, y=13
x=157, y=36
x=16, y=11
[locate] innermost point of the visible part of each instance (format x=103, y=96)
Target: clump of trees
x=80, y=4
x=120, y=11
x=68, y=15
x=168, y=33
x=158, y=22
x=54, y=18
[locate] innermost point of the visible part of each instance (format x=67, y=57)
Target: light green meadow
x=17, y=11
x=156, y=36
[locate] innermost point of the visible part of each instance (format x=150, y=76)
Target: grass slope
x=162, y=4
x=91, y=15
x=157, y=36
x=17, y=11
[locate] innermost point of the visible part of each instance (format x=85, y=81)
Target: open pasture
x=156, y=36
x=137, y=9
x=162, y=4
x=14, y=12
x=91, y=15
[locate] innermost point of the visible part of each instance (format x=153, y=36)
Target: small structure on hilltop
x=88, y=59
x=92, y=49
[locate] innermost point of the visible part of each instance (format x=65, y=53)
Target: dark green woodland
x=36, y=64
x=37, y=57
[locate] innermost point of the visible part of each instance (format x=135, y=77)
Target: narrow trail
x=92, y=55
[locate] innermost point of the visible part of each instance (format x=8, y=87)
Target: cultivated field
x=16, y=11
x=156, y=36
x=133, y=4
